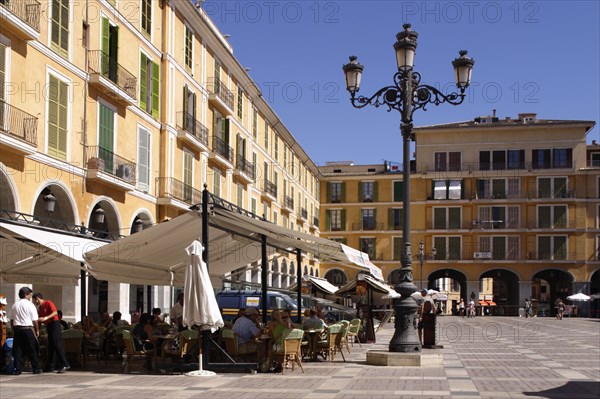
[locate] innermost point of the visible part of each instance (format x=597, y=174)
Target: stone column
x=118, y=299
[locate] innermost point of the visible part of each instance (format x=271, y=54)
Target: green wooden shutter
x=360, y=192
x=225, y=130
x=390, y=219
x=143, y=176
x=143, y=81
x=398, y=191
x=343, y=218
x=185, y=107
x=328, y=219
x=105, y=46
x=187, y=176
x=2, y=71
x=328, y=193
x=155, y=90
x=106, y=139
x=343, y=196
x=375, y=193
x=374, y=219
x=397, y=245
x=57, y=118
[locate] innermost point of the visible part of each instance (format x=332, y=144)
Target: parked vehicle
x=231, y=301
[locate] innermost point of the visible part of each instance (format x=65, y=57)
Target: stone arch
x=111, y=226
x=505, y=290
x=144, y=216
x=336, y=276
x=451, y=281
x=9, y=198
x=312, y=271
x=65, y=208
x=551, y=283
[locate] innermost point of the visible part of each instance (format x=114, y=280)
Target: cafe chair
x=186, y=341
x=329, y=345
x=231, y=345
x=353, y=330
x=344, y=338
x=291, y=349
x=132, y=354
x=73, y=346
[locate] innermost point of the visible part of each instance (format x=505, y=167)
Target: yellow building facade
x=513, y=201
x=127, y=108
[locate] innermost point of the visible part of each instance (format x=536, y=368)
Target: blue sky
x=530, y=56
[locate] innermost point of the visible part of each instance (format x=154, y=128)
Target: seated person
x=280, y=323
x=105, y=321
x=117, y=321
x=91, y=332
x=247, y=330
x=63, y=324
x=313, y=322
x=156, y=319
x=142, y=333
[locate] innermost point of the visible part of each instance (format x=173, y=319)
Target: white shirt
x=23, y=313
x=176, y=312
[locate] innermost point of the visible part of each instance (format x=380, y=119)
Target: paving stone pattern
x=484, y=357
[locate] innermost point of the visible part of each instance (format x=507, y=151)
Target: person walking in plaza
x=471, y=310
x=560, y=309
x=48, y=315
x=527, y=308
x=24, y=322
x=461, y=308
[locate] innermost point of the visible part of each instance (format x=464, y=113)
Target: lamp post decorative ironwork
x=407, y=95
x=421, y=256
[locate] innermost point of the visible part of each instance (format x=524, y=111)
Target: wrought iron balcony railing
x=100, y=63
x=367, y=226
x=223, y=149
x=108, y=162
x=215, y=86
x=169, y=187
x=270, y=188
x=188, y=123
x=246, y=166
x=27, y=11
x=18, y=123
x=304, y=213
x=288, y=202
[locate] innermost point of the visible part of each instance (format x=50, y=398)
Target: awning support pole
x=263, y=278
x=83, y=292
x=204, y=334
x=299, y=283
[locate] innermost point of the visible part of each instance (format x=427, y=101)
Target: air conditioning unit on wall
x=125, y=172
x=482, y=255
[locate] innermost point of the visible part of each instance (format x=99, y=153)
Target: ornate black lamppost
x=406, y=96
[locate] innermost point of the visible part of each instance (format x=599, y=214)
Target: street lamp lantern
x=353, y=71
x=405, y=47
x=463, y=67
x=407, y=95
x=49, y=203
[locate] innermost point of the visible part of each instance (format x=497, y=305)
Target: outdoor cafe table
x=313, y=338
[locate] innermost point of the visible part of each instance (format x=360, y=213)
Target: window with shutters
x=276, y=149
x=335, y=219
x=552, y=247
x=253, y=206
x=552, y=216
x=398, y=191
x=266, y=137
x=188, y=175
x=447, y=189
x=240, y=195
x=447, y=248
x=254, y=123
x=562, y=158
x=59, y=30
x=216, y=182
x=367, y=217
x=106, y=139
x=335, y=191
x=397, y=248
x=58, y=102
x=500, y=247
x=3, y=64
x=149, y=86
x=143, y=163
x=367, y=245
x=395, y=218
x=110, y=50
x=188, y=49
x=447, y=161
x=368, y=189
x=147, y=17
x=240, y=103
x=552, y=187
x=447, y=218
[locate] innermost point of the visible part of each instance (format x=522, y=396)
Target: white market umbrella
x=580, y=296
x=436, y=295
x=199, y=303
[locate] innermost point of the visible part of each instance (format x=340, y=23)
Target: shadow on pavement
x=572, y=389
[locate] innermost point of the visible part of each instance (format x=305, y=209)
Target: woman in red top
x=49, y=316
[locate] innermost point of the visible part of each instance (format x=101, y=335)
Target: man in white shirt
x=176, y=313
x=247, y=331
x=24, y=322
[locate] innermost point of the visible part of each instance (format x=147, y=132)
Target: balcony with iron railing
x=105, y=166
x=222, y=152
x=220, y=95
x=269, y=190
x=303, y=214
x=553, y=225
x=288, y=204
x=176, y=193
x=245, y=169
x=18, y=129
x=112, y=77
x=495, y=169
x=192, y=131
x=553, y=194
x=316, y=222
x=21, y=17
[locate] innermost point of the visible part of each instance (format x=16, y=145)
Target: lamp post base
x=405, y=336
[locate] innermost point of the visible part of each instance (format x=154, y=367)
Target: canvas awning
x=374, y=284
x=156, y=255
x=320, y=283
x=32, y=254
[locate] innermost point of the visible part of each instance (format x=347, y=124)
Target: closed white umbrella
x=200, y=306
x=580, y=296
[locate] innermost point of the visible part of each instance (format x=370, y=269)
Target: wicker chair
x=132, y=354
x=291, y=349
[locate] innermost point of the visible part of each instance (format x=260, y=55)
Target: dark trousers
x=25, y=343
x=56, y=351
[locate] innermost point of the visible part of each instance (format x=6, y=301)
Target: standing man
x=176, y=313
x=527, y=307
x=49, y=316
x=24, y=322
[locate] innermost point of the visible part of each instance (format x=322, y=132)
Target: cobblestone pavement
x=484, y=357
